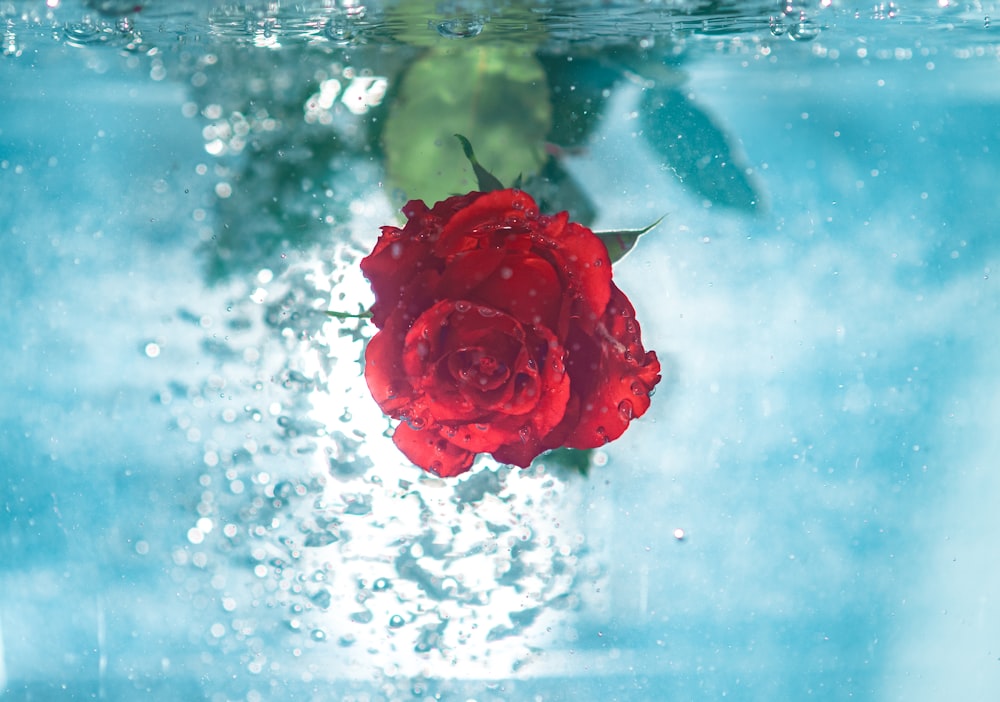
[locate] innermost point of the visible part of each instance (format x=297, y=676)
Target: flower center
x=477, y=369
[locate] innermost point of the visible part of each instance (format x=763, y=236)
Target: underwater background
x=199, y=499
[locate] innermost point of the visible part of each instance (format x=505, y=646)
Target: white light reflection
x=422, y=576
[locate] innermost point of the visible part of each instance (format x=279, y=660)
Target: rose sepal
x=621, y=241
x=487, y=181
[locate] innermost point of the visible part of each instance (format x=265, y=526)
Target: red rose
x=500, y=332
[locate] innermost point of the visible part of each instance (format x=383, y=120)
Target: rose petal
x=432, y=452
x=525, y=286
x=579, y=252
x=466, y=271
x=401, y=256
x=384, y=372
x=485, y=221
x=612, y=377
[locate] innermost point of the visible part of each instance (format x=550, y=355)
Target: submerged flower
x=501, y=332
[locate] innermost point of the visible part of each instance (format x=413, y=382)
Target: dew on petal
x=625, y=410
x=602, y=434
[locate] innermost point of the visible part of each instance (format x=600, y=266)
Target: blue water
x=199, y=497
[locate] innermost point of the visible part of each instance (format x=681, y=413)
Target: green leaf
x=695, y=149
x=497, y=96
x=621, y=242
x=555, y=189
x=568, y=460
x=486, y=180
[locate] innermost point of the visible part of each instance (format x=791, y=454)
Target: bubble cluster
x=312, y=529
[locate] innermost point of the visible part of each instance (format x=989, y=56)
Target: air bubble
x=381, y=584
x=462, y=306
x=396, y=621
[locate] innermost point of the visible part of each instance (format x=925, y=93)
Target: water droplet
x=416, y=423
x=462, y=306
x=318, y=635
x=396, y=621
x=805, y=30
x=84, y=33
x=488, y=311
x=381, y=584
x=777, y=26
x=462, y=27
x=602, y=434
x=638, y=389
x=435, y=467
x=625, y=410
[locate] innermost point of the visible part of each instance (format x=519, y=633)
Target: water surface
x=200, y=498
